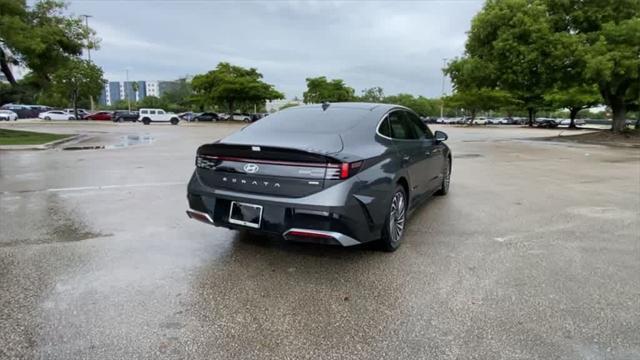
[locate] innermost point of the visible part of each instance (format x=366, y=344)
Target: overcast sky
x=398, y=45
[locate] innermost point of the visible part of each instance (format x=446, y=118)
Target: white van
x=157, y=115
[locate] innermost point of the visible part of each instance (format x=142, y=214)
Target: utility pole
x=86, y=22
x=444, y=64
x=125, y=90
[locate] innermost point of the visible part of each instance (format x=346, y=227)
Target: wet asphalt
x=534, y=254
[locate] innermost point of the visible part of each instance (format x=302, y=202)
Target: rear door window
x=400, y=127
x=385, y=129
x=418, y=126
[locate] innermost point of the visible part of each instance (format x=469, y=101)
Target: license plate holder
x=249, y=215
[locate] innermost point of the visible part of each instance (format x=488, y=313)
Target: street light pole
x=444, y=64
x=125, y=91
x=86, y=22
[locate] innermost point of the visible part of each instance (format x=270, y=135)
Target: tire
x=47, y=118
x=146, y=121
x=174, y=121
x=71, y=118
x=120, y=119
x=247, y=120
x=396, y=221
x=446, y=179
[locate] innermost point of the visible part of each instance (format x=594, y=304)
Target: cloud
x=398, y=45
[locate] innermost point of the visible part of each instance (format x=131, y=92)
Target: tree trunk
x=4, y=67
x=532, y=116
x=573, y=112
x=74, y=99
x=619, y=113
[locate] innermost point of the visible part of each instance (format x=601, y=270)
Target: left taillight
x=206, y=162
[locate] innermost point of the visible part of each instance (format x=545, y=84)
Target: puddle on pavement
x=123, y=142
x=131, y=140
x=466, y=156
x=50, y=221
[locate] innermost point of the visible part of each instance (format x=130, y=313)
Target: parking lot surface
x=534, y=254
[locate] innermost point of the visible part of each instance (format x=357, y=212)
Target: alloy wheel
x=397, y=217
x=447, y=177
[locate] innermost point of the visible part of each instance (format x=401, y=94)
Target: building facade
x=114, y=91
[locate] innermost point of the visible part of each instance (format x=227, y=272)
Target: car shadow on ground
x=245, y=240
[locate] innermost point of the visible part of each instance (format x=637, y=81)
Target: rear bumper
x=331, y=216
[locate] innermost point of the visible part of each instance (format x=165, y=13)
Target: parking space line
x=97, y=187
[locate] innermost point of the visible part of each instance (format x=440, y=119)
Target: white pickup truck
x=147, y=116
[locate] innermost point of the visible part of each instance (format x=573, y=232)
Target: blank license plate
x=245, y=214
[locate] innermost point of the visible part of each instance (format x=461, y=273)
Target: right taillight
x=341, y=171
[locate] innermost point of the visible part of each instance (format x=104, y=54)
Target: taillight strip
x=269, y=162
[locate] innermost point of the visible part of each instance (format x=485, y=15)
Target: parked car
x=81, y=113
x=187, y=116
x=147, y=116
x=124, y=115
x=207, y=116
x=479, y=121
x=8, y=115
x=100, y=115
x=498, y=121
x=23, y=111
x=578, y=122
x=339, y=174
x=547, y=123
x=56, y=115
x=240, y=117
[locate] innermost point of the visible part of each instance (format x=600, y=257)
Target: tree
x=608, y=32
x=574, y=99
x=179, y=97
x=514, y=42
x=231, y=85
x=484, y=99
x=373, y=95
x=77, y=78
x=319, y=90
x=151, y=102
x=420, y=104
x=40, y=37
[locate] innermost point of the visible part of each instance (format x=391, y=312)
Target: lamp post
x=444, y=64
x=86, y=22
x=125, y=90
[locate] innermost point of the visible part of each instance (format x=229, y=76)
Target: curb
x=44, y=146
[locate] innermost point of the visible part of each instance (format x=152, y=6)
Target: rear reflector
x=308, y=234
x=200, y=216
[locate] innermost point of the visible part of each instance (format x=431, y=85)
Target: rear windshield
x=313, y=119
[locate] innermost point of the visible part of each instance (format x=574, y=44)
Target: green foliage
x=526, y=47
x=574, y=99
x=151, y=102
x=40, y=37
x=319, y=90
x=19, y=137
x=372, y=95
x=420, y=104
x=232, y=86
x=288, y=105
x=179, y=97
x=77, y=78
x=474, y=100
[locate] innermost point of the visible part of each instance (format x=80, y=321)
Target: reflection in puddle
x=130, y=140
x=123, y=142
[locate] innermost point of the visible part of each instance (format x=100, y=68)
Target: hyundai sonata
x=340, y=173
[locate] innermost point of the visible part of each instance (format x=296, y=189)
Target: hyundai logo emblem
x=251, y=168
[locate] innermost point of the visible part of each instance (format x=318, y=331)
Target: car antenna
x=325, y=105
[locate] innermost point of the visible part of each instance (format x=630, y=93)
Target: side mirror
x=440, y=136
